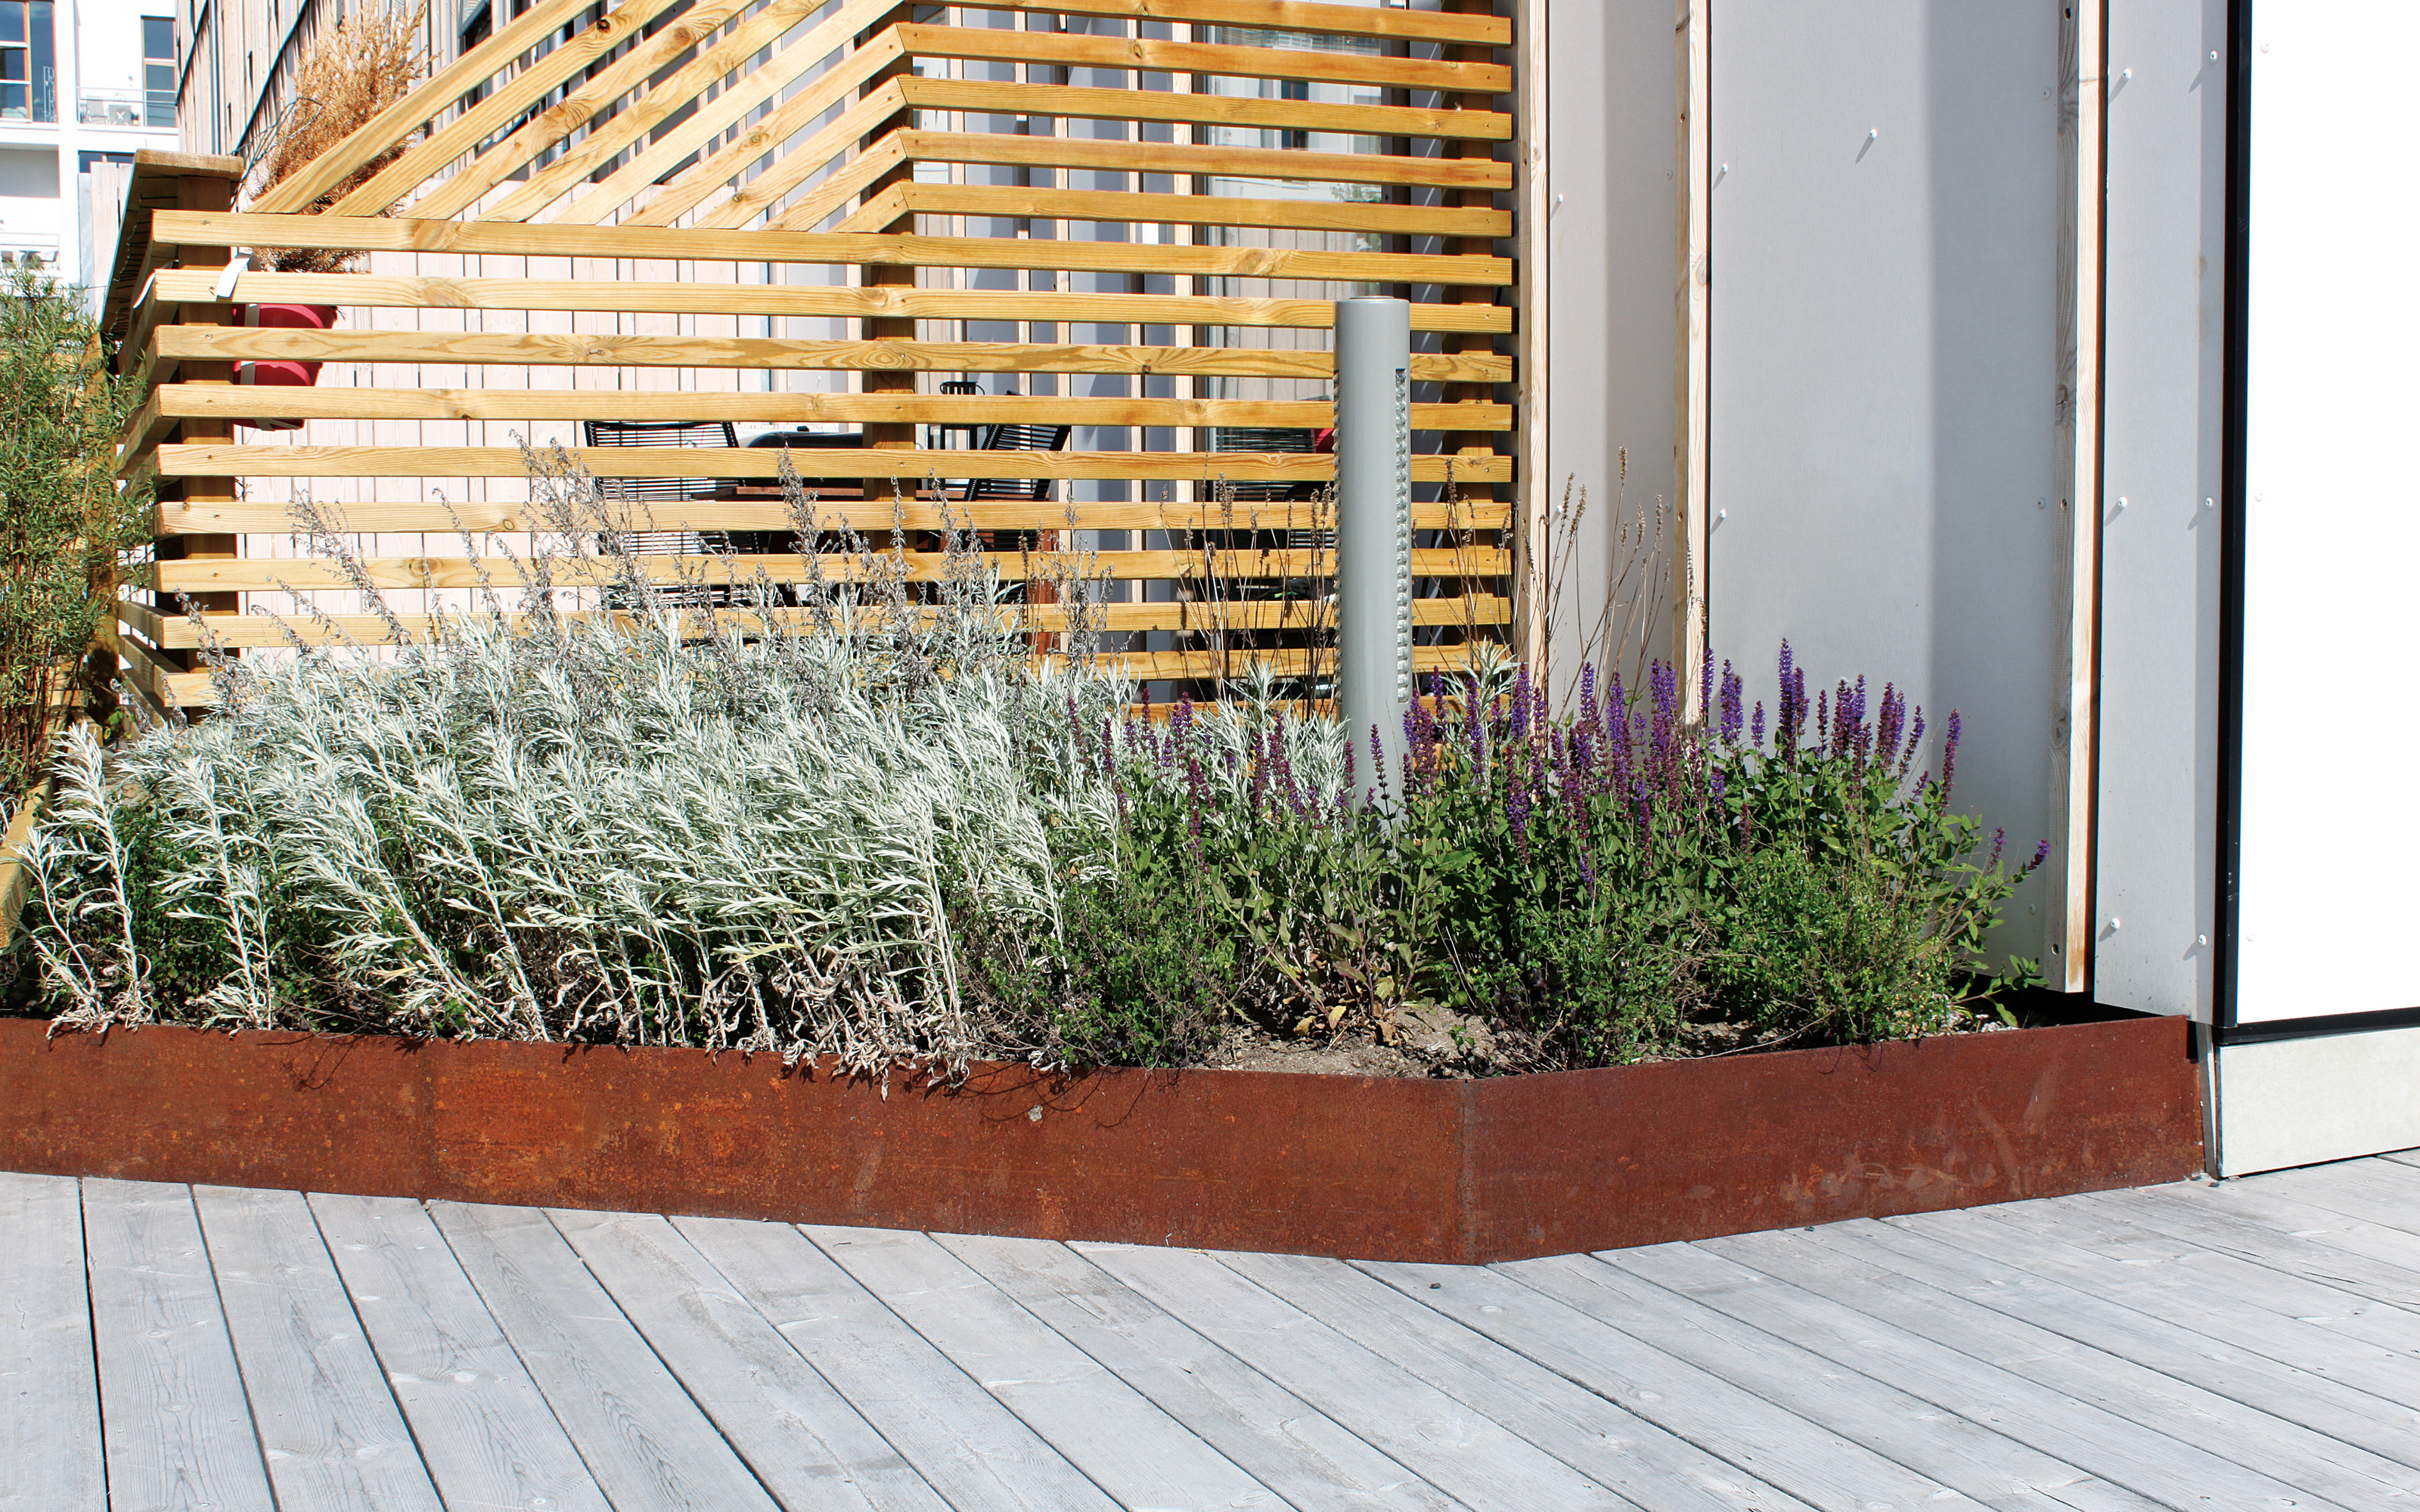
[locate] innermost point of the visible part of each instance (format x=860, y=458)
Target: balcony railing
x=126, y=107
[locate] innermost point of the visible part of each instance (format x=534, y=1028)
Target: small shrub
x=63, y=518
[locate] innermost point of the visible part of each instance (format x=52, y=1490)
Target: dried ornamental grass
x=365, y=64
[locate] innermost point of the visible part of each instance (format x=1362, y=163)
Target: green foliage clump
x=63, y=516
x=1589, y=889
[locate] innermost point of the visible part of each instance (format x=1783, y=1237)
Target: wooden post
x=197, y=192
x=1692, y=231
x=2068, y=947
x=889, y=436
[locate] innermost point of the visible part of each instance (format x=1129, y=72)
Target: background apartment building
x=83, y=85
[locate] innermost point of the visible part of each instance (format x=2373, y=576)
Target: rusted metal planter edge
x=1467, y=1171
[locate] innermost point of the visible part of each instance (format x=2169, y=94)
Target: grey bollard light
x=1373, y=526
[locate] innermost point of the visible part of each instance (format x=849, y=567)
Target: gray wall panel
x=2163, y=345
x=1885, y=371
x=1611, y=273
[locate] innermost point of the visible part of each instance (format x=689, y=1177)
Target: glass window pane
x=12, y=64
x=12, y=20
x=38, y=23
x=156, y=42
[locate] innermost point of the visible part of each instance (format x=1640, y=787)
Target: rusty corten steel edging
x=1366, y=1168
x=1688, y=1149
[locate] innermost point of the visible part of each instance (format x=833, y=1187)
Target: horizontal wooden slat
x=1294, y=16
x=1174, y=209
x=261, y=516
x=232, y=401
x=264, y=573
x=166, y=685
x=222, y=344
x=1001, y=46
x=1238, y=163
x=197, y=285
x=248, y=631
x=209, y=228
x=907, y=466
x=170, y=403
x=1047, y=100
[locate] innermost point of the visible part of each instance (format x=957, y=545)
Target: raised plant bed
x=1367, y=1168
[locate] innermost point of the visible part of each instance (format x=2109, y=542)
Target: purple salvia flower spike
x=1949, y=755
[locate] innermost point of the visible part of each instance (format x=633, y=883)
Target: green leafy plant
x=64, y=519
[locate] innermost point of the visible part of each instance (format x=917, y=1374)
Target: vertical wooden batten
x=1532, y=244
x=1692, y=270
x=2082, y=121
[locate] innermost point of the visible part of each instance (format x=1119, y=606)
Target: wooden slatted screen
x=1130, y=217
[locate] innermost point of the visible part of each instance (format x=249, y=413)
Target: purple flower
x=1732, y=688
x=1756, y=726
x=2041, y=852
x=1914, y=738
x=1520, y=703
x=1949, y=755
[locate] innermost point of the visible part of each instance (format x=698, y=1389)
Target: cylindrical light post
x=1373, y=526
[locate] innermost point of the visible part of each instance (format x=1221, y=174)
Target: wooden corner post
x=203, y=192
x=2082, y=119
x=1691, y=228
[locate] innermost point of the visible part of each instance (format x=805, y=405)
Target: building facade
x=83, y=85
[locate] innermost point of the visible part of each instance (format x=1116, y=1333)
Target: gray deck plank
x=972, y=1450
x=2403, y=1157
x=327, y=1419
x=1472, y=1444
x=2105, y=1319
x=2383, y=1192
x=1908, y=1430
x=1124, y=1441
x=644, y=1440
x=50, y=1401
x=1624, y=1445
x=485, y=1432
x=2120, y=1234
x=805, y=1441
x=1619, y=1445
x=2272, y=1210
x=2221, y=1232
x=178, y=1433
x=2167, y=1293
x=1288, y=1445
x=2131, y=1427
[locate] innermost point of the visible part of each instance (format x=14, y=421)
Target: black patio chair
x=633, y=496
x=1264, y=439
x=937, y=434
x=1014, y=437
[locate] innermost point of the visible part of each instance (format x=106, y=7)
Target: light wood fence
x=1129, y=217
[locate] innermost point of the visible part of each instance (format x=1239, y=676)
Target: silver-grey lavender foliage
x=638, y=827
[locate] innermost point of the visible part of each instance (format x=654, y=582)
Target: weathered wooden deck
x=2252, y=1345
